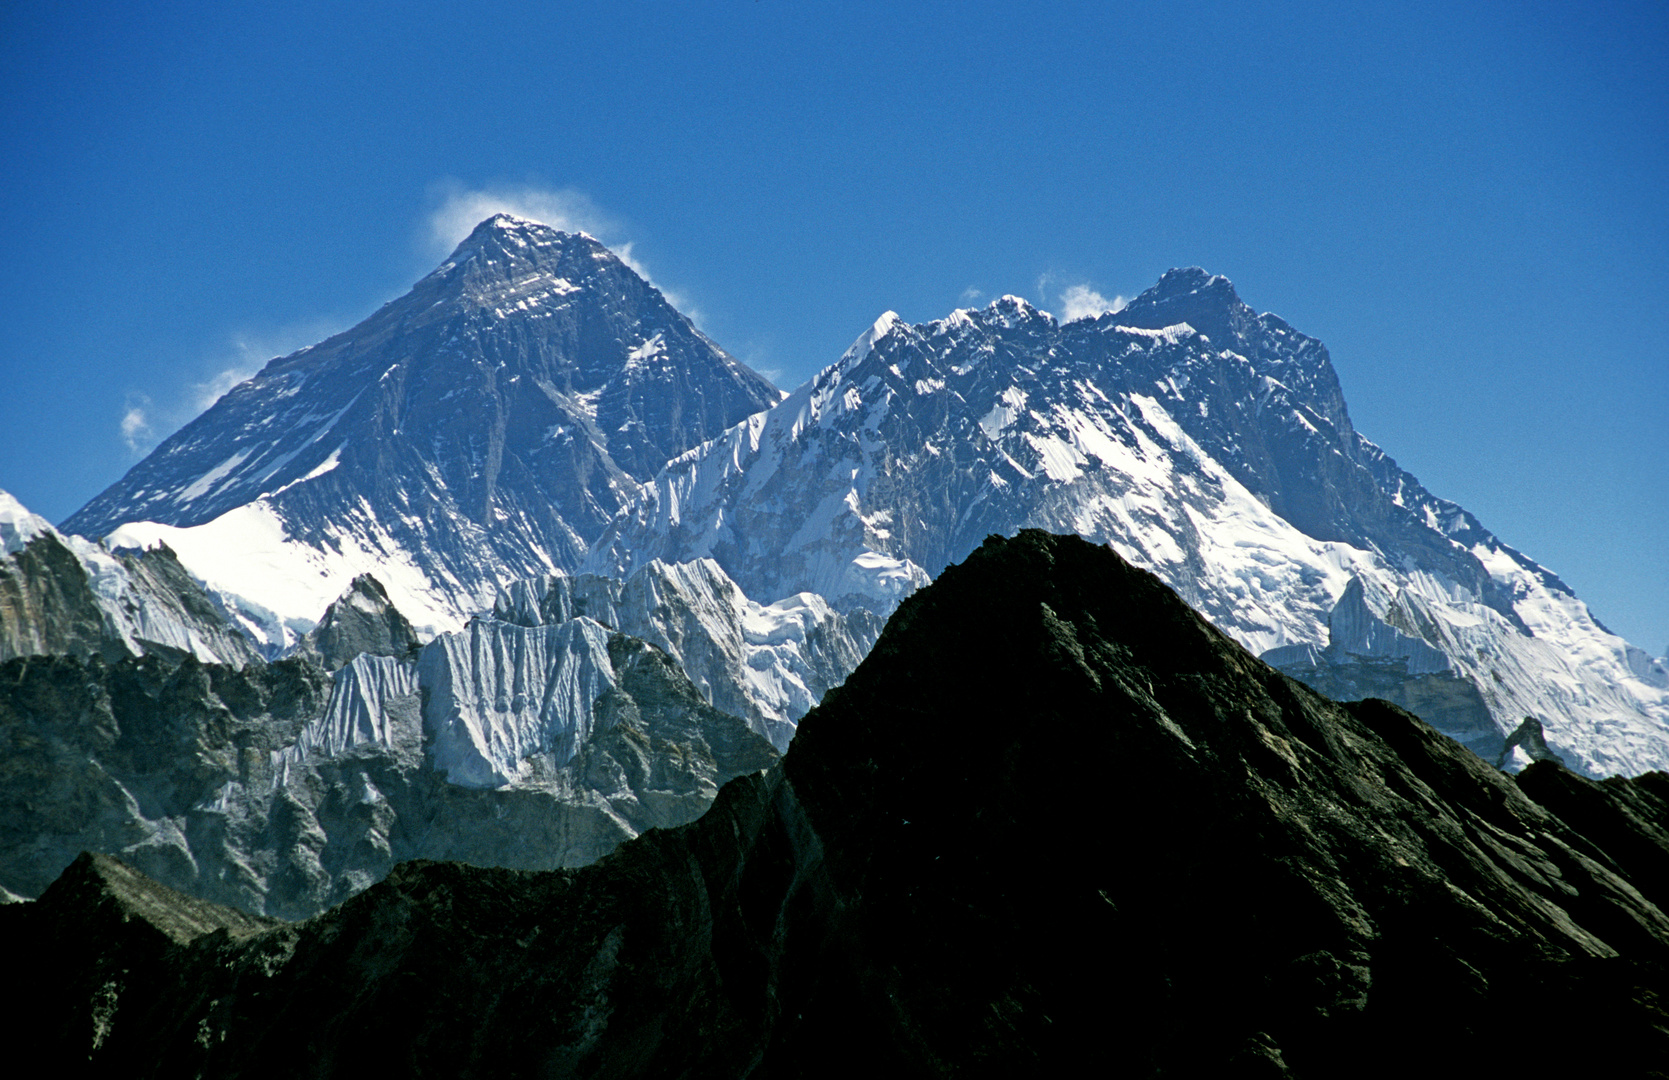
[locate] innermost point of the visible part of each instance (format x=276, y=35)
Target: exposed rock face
x=1204, y=441
x=117, y=758
x=483, y=427
x=63, y=595
x=1528, y=744
x=363, y=620
x=769, y=663
x=47, y=605
x=1285, y=886
x=282, y=789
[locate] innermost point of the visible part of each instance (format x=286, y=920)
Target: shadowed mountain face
x=1054, y=818
x=482, y=427
x=282, y=789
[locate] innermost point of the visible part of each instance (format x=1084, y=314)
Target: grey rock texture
x=1285, y=886
x=64, y=595
x=282, y=789
x=48, y=606
x=364, y=620
x=482, y=427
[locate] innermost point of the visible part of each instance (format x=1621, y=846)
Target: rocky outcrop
x=63, y=595
x=48, y=606
x=362, y=620
x=1094, y=830
x=1526, y=744
x=282, y=789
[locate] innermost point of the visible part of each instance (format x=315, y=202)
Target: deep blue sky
x=1470, y=207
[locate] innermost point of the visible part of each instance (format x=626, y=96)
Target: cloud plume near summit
x=462, y=208
x=1083, y=302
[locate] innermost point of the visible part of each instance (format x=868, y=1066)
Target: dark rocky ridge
x=1054, y=819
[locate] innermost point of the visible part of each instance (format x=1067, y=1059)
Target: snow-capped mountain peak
x=481, y=428
x=860, y=348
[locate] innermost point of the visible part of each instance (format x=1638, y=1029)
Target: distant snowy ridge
x=1203, y=441
x=18, y=526
x=275, y=587
x=513, y=697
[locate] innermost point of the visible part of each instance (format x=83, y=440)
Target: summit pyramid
x=482, y=427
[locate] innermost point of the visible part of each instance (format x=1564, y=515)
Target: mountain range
x=1054, y=820
x=1203, y=441
x=533, y=407
x=415, y=571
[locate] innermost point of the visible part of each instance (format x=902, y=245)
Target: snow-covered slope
x=768, y=663
x=481, y=428
x=65, y=594
x=1202, y=440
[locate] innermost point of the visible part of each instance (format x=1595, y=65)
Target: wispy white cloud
x=136, y=425
x=205, y=394
x=461, y=208
x=249, y=353
x=1083, y=302
x=971, y=295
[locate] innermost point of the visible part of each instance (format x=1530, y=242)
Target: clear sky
x=1469, y=203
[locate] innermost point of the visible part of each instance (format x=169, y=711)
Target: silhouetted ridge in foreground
x=1055, y=819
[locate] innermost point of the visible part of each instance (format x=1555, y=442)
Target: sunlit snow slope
x=1204, y=441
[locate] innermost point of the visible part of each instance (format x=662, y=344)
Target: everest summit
x=481, y=428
